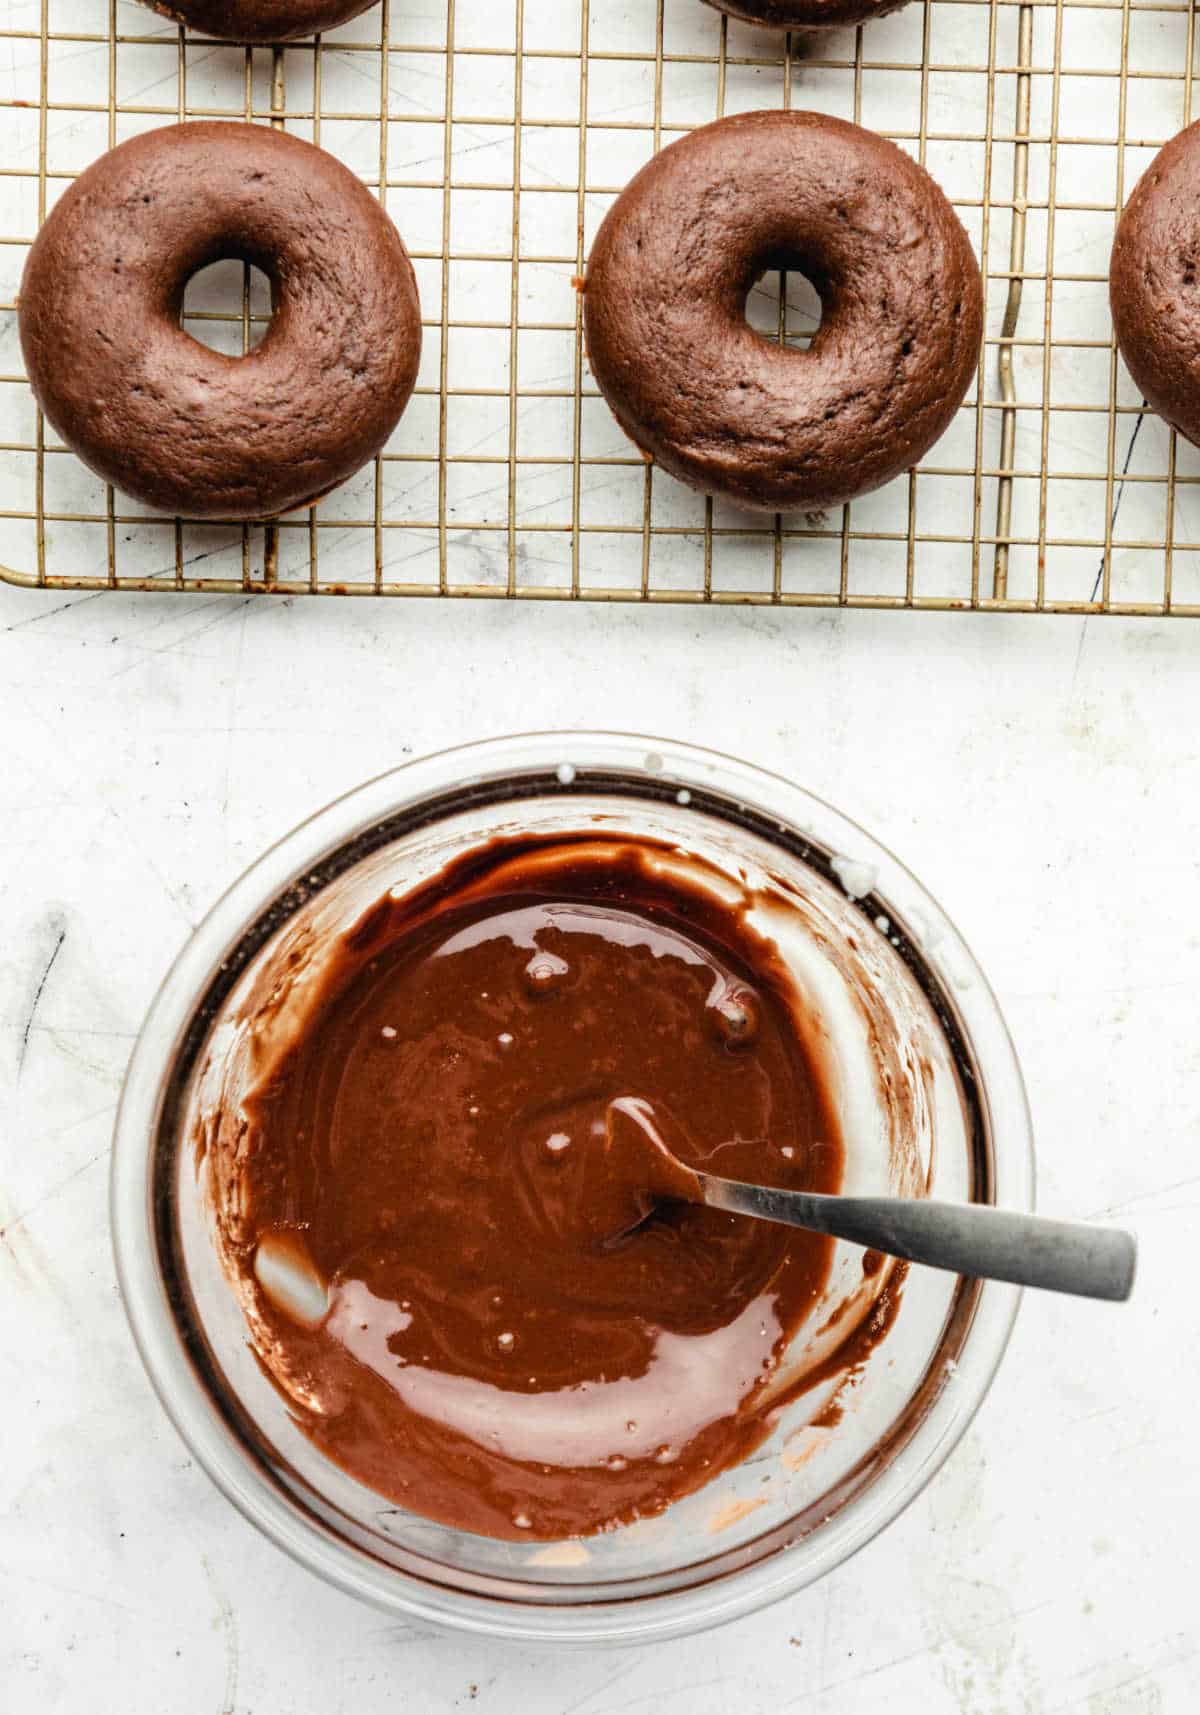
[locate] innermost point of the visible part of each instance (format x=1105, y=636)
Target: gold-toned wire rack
x=497, y=132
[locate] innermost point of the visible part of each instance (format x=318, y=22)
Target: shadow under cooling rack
x=498, y=133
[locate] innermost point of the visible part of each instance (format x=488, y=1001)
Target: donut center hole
x=784, y=306
x=227, y=306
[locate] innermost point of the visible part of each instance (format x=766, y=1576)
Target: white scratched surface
x=1041, y=776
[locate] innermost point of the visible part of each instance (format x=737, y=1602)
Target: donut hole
x=215, y=303
x=784, y=305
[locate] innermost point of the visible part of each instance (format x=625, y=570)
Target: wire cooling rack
x=498, y=132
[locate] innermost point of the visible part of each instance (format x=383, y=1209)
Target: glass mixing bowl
x=876, y=956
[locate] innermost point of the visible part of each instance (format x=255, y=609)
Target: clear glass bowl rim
x=562, y=760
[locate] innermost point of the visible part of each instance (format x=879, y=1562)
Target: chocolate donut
x=260, y=20
x=1153, y=284
x=191, y=431
x=728, y=411
x=806, y=14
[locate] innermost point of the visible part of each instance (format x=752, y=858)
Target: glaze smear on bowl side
x=426, y=1209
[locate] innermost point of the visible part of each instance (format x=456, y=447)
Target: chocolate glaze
x=188, y=430
x=806, y=14
x=260, y=20
x=1153, y=283
x=731, y=412
x=426, y=1199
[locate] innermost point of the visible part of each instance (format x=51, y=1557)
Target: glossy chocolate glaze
x=427, y=1198
x=719, y=406
x=191, y=431
x=1153, y=283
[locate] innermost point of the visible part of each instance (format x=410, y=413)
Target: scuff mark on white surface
x=225, y=1621
x=26, y=1214
x=58, y=926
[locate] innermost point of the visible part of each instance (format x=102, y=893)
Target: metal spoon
x=967, y=1238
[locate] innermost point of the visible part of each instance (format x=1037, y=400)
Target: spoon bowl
x=641, y=1173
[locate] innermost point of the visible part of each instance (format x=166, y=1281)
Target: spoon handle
x=968, y=1238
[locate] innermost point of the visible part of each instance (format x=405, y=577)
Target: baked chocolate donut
x=728, y=411
x=188, y=430
x=1154, y=283
x=260, y=20
x=806, y=14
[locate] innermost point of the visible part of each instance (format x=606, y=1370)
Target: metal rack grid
x=507, y=128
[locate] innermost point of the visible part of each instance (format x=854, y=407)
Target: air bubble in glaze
x=544, y=973
x=734, y=1013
